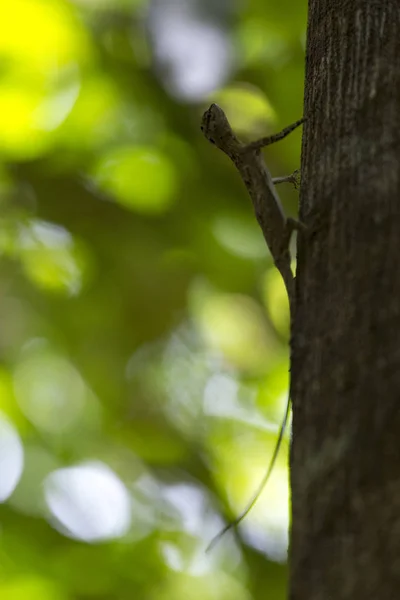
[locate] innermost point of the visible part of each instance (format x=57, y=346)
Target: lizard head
x=216, y=128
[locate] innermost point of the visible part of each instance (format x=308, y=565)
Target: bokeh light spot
x=248, y=109
x=234, y=325
x=239, y=235
x=51, y=258
x=141, y=179
x=41, y=45
x=33, y=587
x=11, y=458
x=45, y=33
x=89, y=502
x=49, y=390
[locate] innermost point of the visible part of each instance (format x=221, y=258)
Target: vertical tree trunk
x=345, y=457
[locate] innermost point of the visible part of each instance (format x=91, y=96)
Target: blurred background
x=143, y=328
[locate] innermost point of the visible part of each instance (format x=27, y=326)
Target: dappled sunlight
x=239, y=438
x=226, y=398
x=240, y=459
x=239, y=236
x=233, y=324
x=89, y=502
x=174, y=374
x=189, y=502
x=48, y=33
x=11, y=458
x=51, y=258
x=248, y=109
x=186, y=368
x=270, y=535
x=35, y=100
x=198, y=521
x=276, y=300
x=28, y=495
x=218, y=585
x=93, y=119
x=194, y=56
x=143, y=369
x=8, y=405
x=21, y=137
x=260, y=42
x=34, y=587
x=57, y=105
x=153, y=187
x=50, y=391
x=124, y=5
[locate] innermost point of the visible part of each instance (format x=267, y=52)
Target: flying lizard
x=276, y=227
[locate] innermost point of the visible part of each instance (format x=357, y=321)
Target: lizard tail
x=261, y=486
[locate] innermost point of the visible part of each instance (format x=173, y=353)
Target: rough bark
x=345, y=456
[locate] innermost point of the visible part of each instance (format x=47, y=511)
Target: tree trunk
x=345, y=456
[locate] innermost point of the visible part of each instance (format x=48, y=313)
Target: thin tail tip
x=216, y=539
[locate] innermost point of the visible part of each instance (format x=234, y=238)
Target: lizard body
x=276, y=227
x=247, y=158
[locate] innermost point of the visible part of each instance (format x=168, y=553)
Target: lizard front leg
x=294, y=178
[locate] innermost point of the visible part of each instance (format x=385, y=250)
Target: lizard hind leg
x=294, y=179
x=292, y=225
x=283, y=264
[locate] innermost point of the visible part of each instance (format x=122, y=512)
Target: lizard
x=276, y=228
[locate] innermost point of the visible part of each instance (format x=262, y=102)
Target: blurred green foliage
x=143, y=341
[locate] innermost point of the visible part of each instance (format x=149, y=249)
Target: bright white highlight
x=11, y=458
x=195, y=56
x=89, y=502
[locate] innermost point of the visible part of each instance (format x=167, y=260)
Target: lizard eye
x=211, y=140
